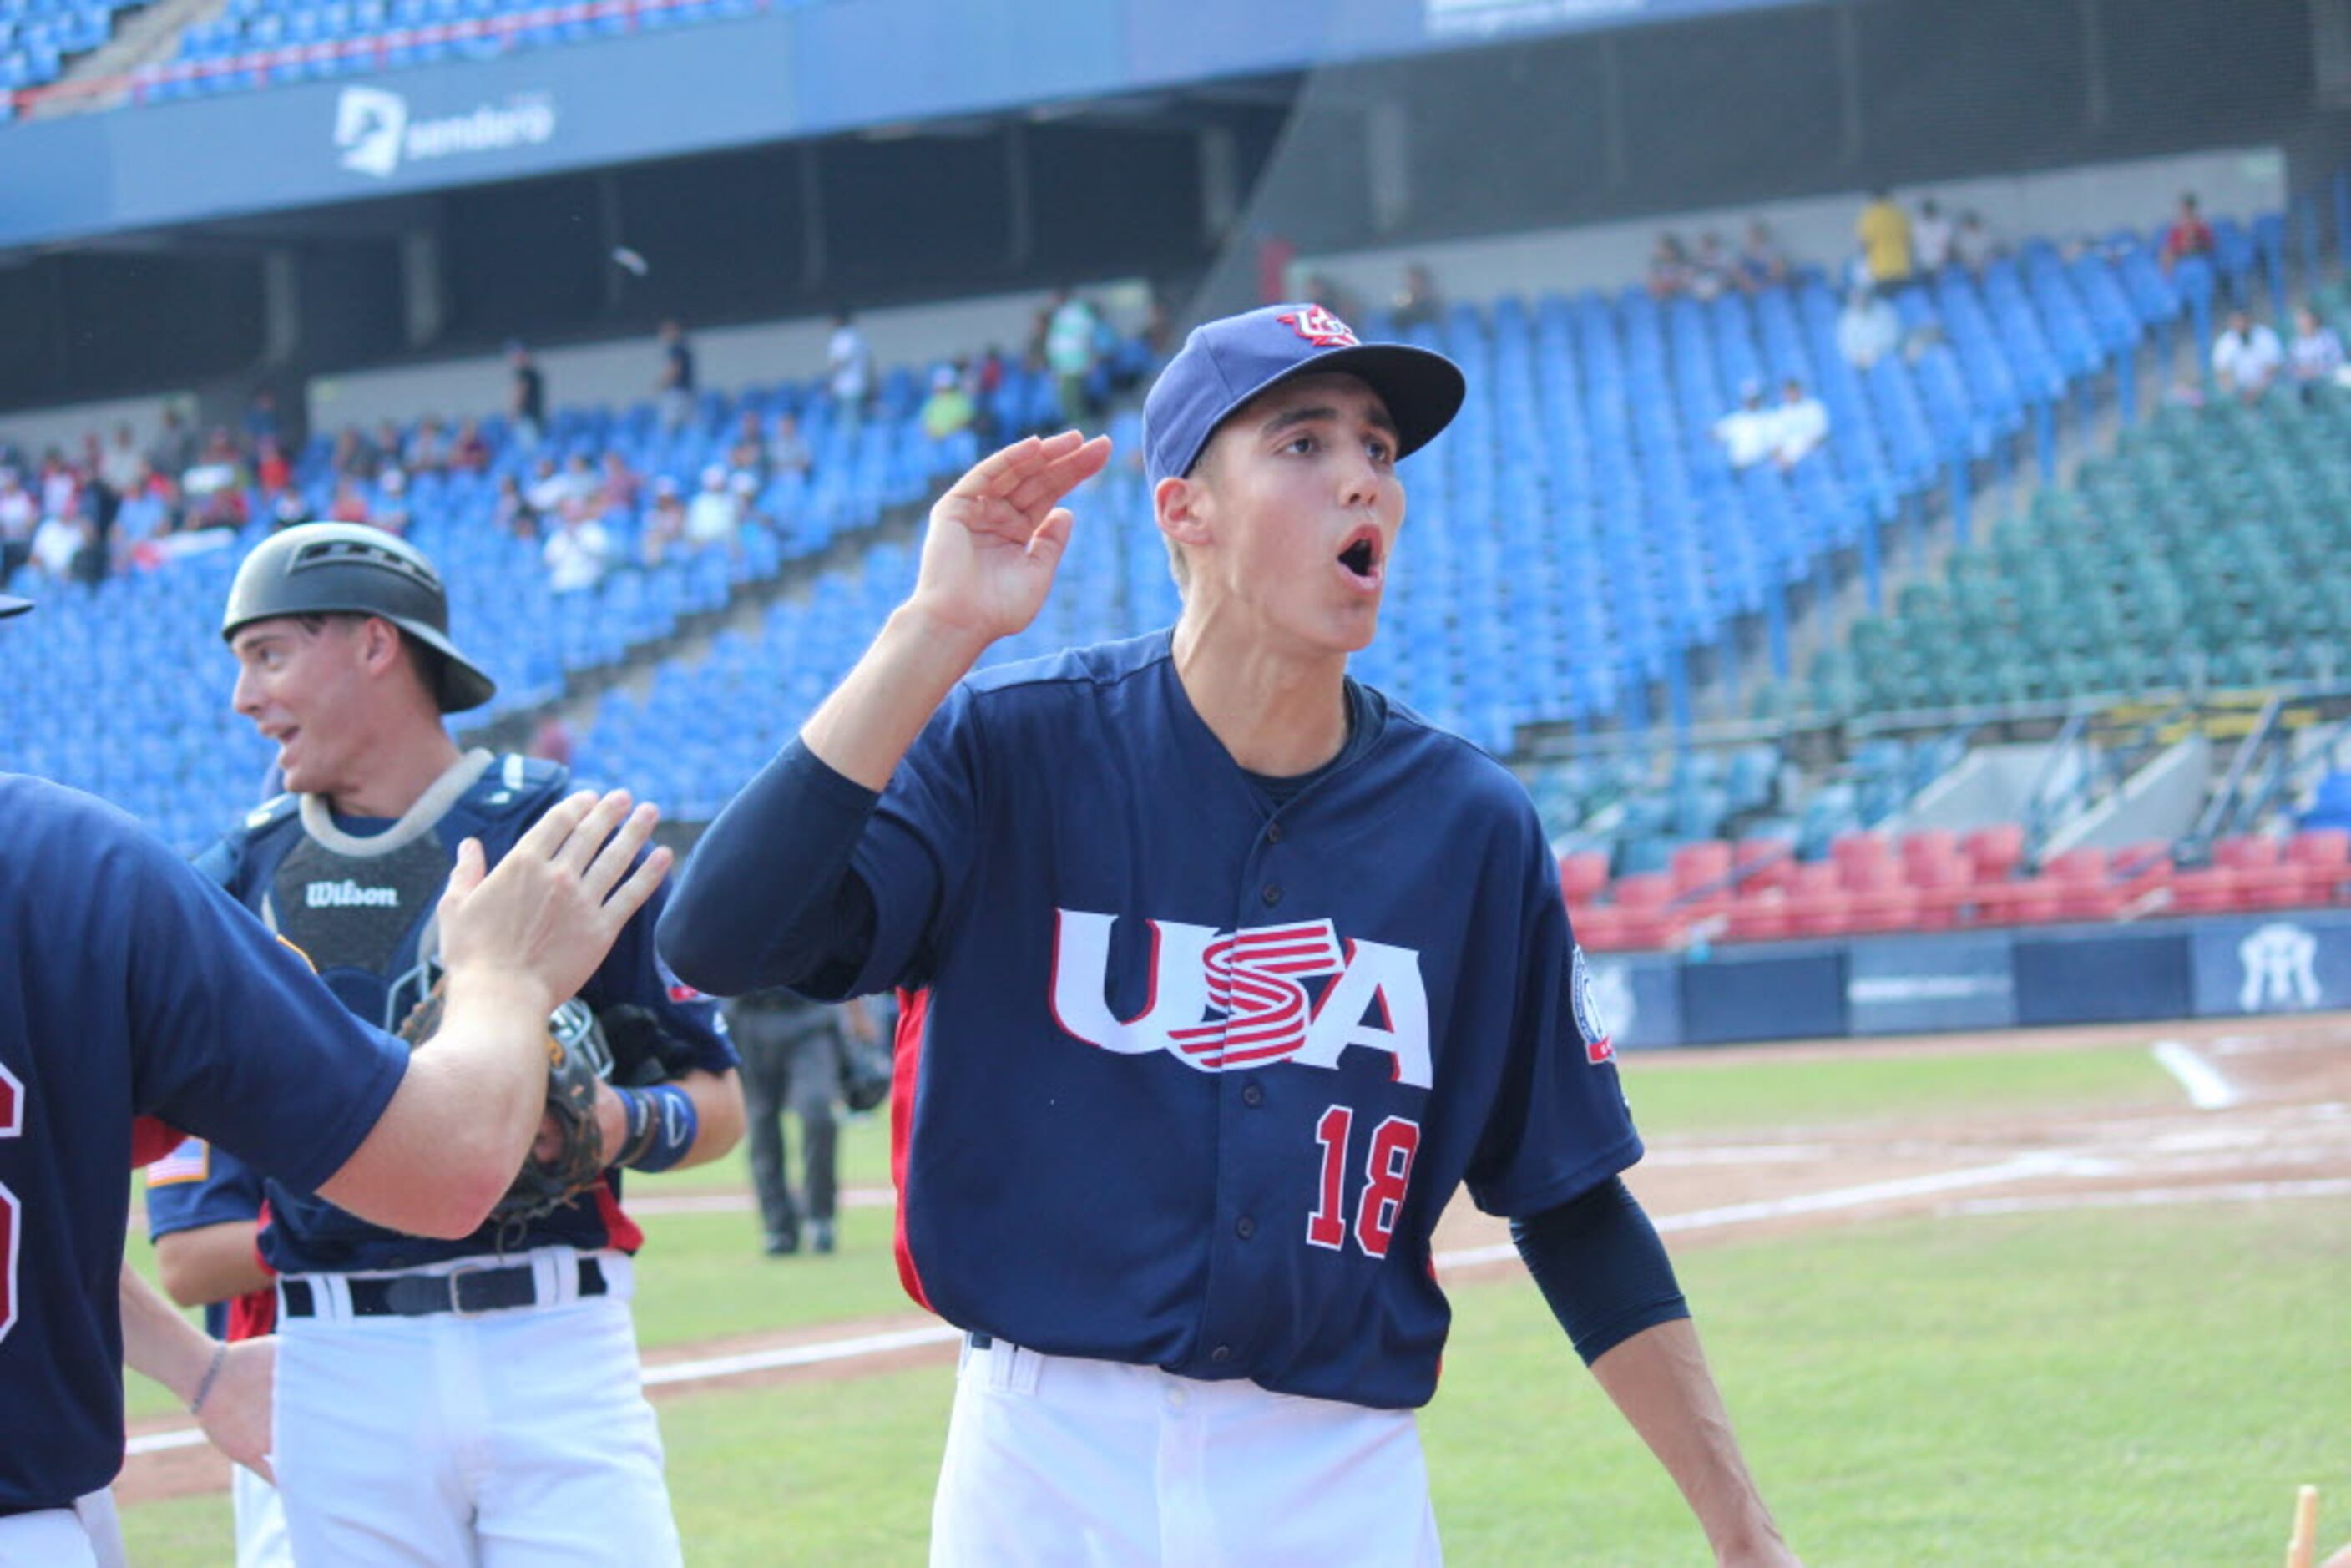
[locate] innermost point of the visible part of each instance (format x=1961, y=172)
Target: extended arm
x=225, y=1386
x=1603, y=1269
x=770, y=879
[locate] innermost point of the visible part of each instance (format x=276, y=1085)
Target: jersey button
x=1273, y=832
x=1245, y=1227
x=1221, y=1354
x=1272, y=893
x=1252, y=1095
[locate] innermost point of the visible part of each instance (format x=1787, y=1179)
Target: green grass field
x=2057, y=1388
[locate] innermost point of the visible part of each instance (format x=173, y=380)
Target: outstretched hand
x=996, y=538
x=552, y=910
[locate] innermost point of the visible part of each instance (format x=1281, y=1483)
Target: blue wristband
x=663, y=1125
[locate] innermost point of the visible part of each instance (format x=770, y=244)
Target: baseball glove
x=577, y=1059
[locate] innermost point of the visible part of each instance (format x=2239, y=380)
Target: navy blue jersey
x=358, y=897
x=134, y=987
x=195, y=1185
x=1195, y=1075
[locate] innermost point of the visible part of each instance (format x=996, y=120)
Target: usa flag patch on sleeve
x=189, y=1162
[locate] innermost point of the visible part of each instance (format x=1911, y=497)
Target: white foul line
x=2016, y=1169
x=2154, y=1196
x=2207, y=1089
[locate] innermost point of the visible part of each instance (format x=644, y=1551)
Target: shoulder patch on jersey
x=1597, y=1045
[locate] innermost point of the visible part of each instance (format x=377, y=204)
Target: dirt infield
x=2284, y=1132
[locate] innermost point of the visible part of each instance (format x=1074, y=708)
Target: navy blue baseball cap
x=1225, y=363
x=12, y=606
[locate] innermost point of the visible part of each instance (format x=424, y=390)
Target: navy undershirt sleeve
x=768, y=898
x=1598, y=1261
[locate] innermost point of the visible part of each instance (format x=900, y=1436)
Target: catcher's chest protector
x=358, y=916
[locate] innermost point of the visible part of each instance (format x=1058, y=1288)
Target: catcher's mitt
x=577, y=1059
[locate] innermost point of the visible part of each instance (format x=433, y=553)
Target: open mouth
x=1361, y=554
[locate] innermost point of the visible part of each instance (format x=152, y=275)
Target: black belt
x=462, y=1291
x=979, y=1341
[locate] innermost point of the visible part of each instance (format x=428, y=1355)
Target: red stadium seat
x=1762, y=917
x=1599, y=928
x=2084, y=865
x=1859, y=849
x=1894, y=907
x=1642, y=889
x=1695, y=865
x=1582, y=875
x=1862, y=874
x=2247, y=852
x=1827, y=913
x=2025, y=901
x=2142, y=867
x=1994, y=850
x=1929, y=844
x=2205, y=891
x=2324, y=856
x=1773, y=861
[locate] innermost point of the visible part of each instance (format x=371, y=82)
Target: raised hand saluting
x=996, y=538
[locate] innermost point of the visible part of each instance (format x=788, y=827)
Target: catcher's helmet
x=329, y=569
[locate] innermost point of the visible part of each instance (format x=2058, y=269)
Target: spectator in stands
x=618, y=487
x=1932, y=237
x=60, y=487
x=1750, y=432
x=1669, y=269
x=578, y=551
x=714, y=512
x=664, y=521
x=1974, y=244
x=1762, y=264
x=749, y=453
x=949, y=408
x=526, y=398
x=353, y=458
x=674, y=388
x=1416, y=301
x=348, y=506
x=390, y=512
x=270, y=469
x=546, y=487
x=1711, y=268
x=260, y=417
x=1331, y=295
x=145, y=512
x=515, y=514
x=427, y=451
x=174, y=452
x=19, y=515
x=1802, y=426
x=2315, y=353
x=2189, y=234
x=848, y=369
x=551, y=741
x=745, y=491
x=290, y=507
x=64, y=548
x=1867, y=328
x=787, y=449
x=1070, y=349
x=120, y=464
x=1884, y=231
x=2246, y=357
x=389, y=445
x=470, y=452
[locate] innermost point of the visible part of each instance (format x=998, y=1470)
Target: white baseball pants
x=1055, y=1462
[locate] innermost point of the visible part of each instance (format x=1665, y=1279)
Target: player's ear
x=1179, y=505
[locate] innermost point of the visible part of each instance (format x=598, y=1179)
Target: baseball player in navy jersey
x=133, y=987
x=1226, y=971
x=214, y=1200
x=437, y=1400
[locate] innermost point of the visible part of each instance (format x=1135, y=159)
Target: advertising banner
x=2295, y=961
x=2102, y=975
x=1787, y=992
x=1910, y=985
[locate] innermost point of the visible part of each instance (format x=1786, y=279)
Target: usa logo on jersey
x=1226, y=1000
